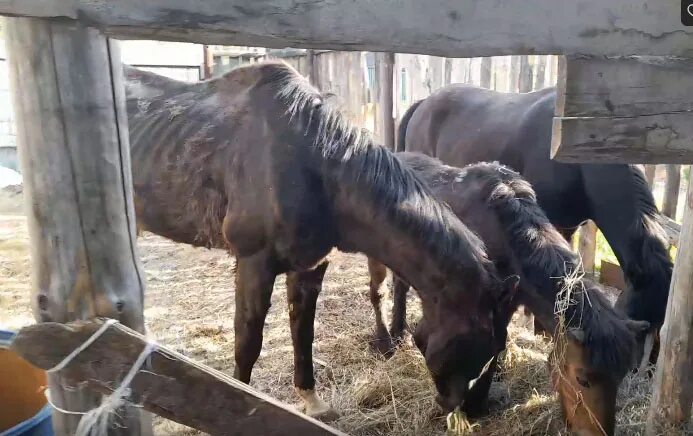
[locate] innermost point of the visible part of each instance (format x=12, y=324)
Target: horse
x=257, y=163
x=595, y=345
x=462, y=124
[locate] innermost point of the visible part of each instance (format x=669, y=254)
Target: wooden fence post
x=540, y=81
x=671, y=190
x=650, y=173
x=587, y=246
x=67, y=83
x=385, y=123
x=526, y=79
x=447, y=79
x=673, y=385
x=485, y=73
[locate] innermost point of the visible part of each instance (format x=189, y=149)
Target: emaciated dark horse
x=595, y=346
x=462, y=124
x=256, y=163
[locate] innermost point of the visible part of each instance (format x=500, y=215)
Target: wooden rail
x=454, y=28
x=171, y=385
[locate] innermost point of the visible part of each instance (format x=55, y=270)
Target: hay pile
x=189, y=306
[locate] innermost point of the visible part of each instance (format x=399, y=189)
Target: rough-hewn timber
x=75, y=158
x=455, y=28
x=170, y=385
x=673, y=385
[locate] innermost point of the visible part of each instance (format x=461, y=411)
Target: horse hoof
x=316, y=407
x=325, y=414
x=384, y=346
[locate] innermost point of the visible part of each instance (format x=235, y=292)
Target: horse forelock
x=393, y=189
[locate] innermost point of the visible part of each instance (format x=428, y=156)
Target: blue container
x=40, y=423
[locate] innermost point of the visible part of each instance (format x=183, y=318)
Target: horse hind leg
x=302, y=290
x=398, y=325
x=382, y=341
x=255, y=277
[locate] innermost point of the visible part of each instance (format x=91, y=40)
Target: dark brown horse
x=256, y=162
x=595, y=346
x=462, y=124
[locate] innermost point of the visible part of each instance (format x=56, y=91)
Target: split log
x=672, y=397
x=624, y=110
x=587, y=246
x=450, y=28
x=73, y=138
x=385, y=121
x=170, y=385
x=671, y=191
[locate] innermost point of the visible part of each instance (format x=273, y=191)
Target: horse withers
x=594, y=345
x=462, y=124
x=257, y=163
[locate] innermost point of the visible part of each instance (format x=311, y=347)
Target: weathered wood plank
x=673, y=385
x=671, y=191
x=385, y=122
x=662, y=138
x=171, y=385
x=587, y=246
x=624, y=86
x=454, y=28
x=73, y=145
x=672, y=229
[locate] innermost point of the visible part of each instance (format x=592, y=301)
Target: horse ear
x=576, y=334
x=639, y=328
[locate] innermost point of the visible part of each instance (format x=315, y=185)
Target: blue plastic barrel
x=40, y=423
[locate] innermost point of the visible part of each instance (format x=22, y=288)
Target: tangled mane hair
x=547, y=261
x=373, y=172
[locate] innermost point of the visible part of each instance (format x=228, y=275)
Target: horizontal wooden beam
x=648, y=139
x=624, y=110
x=624, y=86
x=453, y=28
x=171, y=385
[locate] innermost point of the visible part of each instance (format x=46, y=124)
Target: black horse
x=462, y=124
x=257, y=163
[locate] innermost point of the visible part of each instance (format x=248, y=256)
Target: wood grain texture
x=673, y=385
x=74, y=151
x=170, y=385
x=385, y=121
x=454, y=28
x=587, y=245
x=624, y=86
x=647, y=139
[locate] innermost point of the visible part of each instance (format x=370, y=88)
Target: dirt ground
x=189, y=307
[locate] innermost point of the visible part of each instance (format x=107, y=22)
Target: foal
x=255, y=162
x=595, y=345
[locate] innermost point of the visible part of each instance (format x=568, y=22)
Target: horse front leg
x=302, y=290
x=254, y=282
x=382, y=341
x=399, y=309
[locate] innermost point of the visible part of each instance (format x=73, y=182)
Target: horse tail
x=625, y=211
x=402, y=129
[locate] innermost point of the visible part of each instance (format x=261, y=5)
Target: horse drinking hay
x=254, y=162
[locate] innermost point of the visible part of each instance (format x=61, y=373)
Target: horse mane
x=549, y=264
x=356, y=162
x=648, y=241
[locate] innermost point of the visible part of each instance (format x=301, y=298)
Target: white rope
x=66, y=361
x=95, y=422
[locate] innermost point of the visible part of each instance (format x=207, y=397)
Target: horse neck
x=401, y=238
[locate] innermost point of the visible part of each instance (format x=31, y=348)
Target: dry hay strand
x=377, y=396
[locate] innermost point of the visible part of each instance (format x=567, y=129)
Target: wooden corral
x=79, y=188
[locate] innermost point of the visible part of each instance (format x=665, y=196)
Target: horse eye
x=583, y=382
